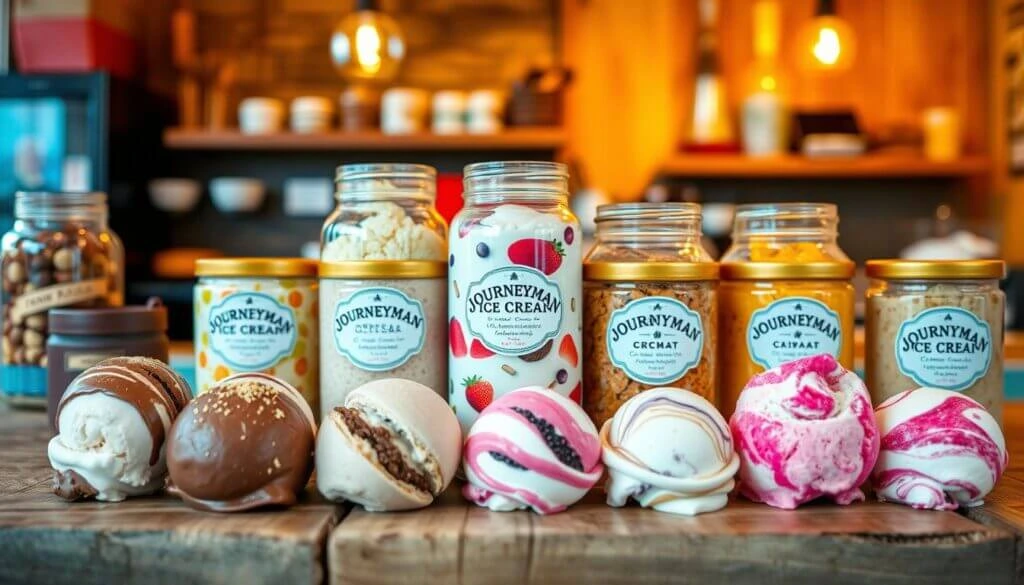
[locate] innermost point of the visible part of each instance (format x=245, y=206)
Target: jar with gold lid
x=786, y=293
x=650, y=306
x=937, y=324
x=258, y=315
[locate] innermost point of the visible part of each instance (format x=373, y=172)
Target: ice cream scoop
x=531, y=448
x=671, y=450
x=112, y=423
x=246, y=442
x=804, y=430
x=939, y=450
x=393, y=445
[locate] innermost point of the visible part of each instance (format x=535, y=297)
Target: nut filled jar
x=258, y=315
x=514, y=277
x=785, y=294
x=383, y=282
x=937, y=324
x=60, y=253
x=650, y=308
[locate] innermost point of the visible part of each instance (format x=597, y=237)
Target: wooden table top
x=158, y=540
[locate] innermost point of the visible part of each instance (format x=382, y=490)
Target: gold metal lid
x=381, y=269
x=937, y=269
x=787, y=270
x=280, y=267
x=650, y=271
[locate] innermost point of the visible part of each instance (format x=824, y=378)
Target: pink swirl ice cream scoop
x=940, y=450
x=805, y=430
x=531, y=448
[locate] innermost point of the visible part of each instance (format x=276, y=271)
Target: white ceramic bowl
x=236, y=194
x=258, y=115
x=174, y=195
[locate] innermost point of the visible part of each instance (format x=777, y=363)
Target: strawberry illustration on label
x=456, y=339
x=479, y=393
x=544, y=255
x=478, y=351
x=567, y=350
x=577, y=393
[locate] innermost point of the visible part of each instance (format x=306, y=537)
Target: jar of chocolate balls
x=60, y=253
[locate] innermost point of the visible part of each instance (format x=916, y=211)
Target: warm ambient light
x=829, y=41
x=367, y=45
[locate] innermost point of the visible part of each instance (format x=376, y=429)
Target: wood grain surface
x=152, y=540
x=745, y=543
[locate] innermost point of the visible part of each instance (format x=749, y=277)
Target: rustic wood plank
x=153, y=540
x=746, y=543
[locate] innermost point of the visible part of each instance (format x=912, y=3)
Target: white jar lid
x=405, y=95
x=486, y=99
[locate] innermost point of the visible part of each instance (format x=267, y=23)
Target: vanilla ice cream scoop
x=939, y=450
x=394, y=445
x=804, y=430
x=531, y=448
x=112, y=424
x=669, y=449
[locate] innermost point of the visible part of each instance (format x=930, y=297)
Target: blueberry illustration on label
x=944, y=347
x=483, y=250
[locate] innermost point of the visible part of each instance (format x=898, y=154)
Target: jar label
x=58, y=295
x=251, y=331
x=792, y=328
x=944, y=347
x=379, y=329
x=655, y=340
x=514, y=310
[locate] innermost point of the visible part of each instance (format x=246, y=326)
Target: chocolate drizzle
x=135, y=381
x=71, y=486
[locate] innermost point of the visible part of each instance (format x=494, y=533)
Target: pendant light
x=827, y=42
x=367, y=45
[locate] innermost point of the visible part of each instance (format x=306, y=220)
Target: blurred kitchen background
x=216, y=125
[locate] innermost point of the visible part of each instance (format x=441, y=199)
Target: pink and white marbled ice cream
x=805, y=430
x=531, y=448
x=940, y=450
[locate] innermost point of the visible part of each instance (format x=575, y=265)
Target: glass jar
x=383, y=282
x=514, y=291
x=785, y=294
x=650, y=306
x=258, y=315
x=937, y=324
x=385, y=211
x=60, y=253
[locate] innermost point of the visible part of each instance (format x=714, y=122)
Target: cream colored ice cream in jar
x=383, y=281
x=257, y=315
x=936, y=324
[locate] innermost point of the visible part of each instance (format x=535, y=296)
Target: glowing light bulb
x=830, y=44
x=368, y=44
x=768, y=83
x=827, y=49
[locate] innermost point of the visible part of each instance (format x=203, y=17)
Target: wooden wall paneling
x=624, y=107
x=1010, y=204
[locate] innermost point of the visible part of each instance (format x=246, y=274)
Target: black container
x=81, y=338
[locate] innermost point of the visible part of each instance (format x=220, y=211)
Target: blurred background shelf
x=525, y=138
x=867, y=166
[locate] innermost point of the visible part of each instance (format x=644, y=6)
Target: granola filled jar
x=650, y=307
x=383, y=282
x=937, y=324
x=60, y=253
x=786, y=293
x=514, y=286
